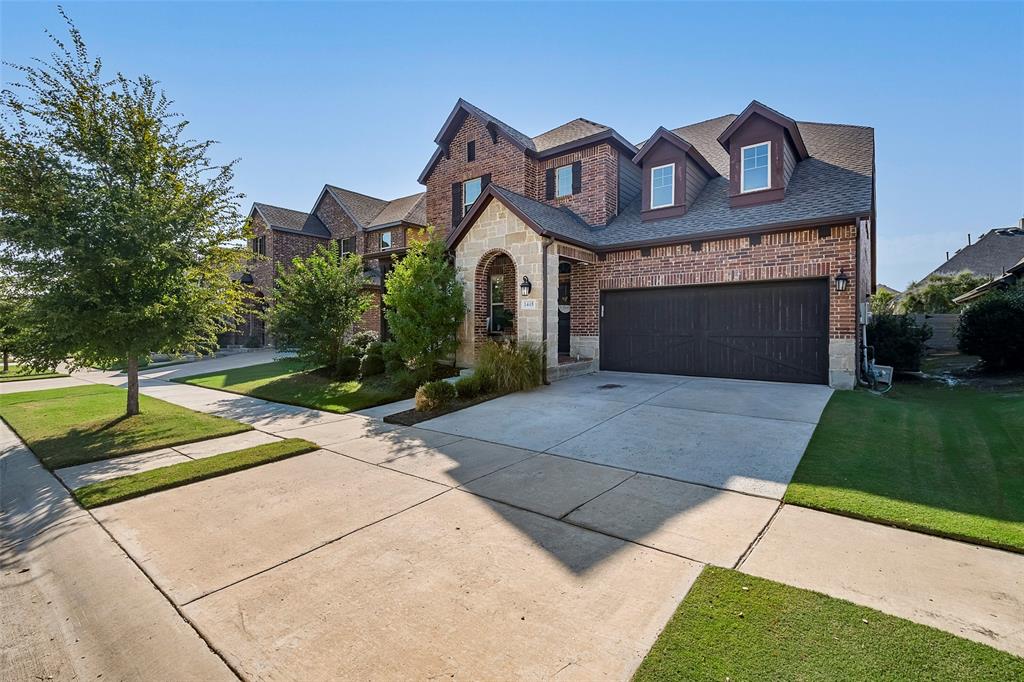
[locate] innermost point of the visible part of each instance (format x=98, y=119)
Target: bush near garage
x=434, y=395
x=993, y=329
x=898, y=341
x=509, y=367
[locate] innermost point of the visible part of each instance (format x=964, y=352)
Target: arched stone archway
x=495, y=292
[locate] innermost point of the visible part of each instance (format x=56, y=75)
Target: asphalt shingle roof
x=836, y=181
x=410, y=209
x=373, y=212
x=567, y=132
x=994, y=253
x=558, y=221
x=292, y=221
x=524, y=140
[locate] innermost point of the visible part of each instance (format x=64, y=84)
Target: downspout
x=547, y=241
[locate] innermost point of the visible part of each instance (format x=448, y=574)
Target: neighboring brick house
x=376, y=229
x=741, y=246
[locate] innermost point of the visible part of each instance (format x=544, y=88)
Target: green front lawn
x=16, y=373
x=175, y=475
x=736, y=627
x=67, y=426
x=290, y=381
x=927, y=457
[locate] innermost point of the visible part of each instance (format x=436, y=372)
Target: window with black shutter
x=549, y=184
x=456, y=203
x=471, y=150
x=577, y=177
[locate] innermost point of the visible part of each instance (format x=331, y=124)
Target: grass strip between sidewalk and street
x=732, y=626
x=175, y=475
x=943, y=460
x=68, y=426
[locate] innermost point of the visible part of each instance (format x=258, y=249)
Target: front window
x=563, y=181
x=347, y=246
x=385, y=240
x=498, y=320
x=470, y=191
x=756, y=171
x=663, y=186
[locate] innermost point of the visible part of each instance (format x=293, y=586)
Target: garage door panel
x=769, y=331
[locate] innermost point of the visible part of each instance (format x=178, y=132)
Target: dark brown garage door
x=774, y=332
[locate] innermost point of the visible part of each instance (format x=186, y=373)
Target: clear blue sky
x=353, y=94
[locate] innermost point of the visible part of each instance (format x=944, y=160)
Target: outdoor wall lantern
x=525, y=286
x=841, y=281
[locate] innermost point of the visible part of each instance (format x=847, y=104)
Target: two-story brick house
x=741, y=246
x=376, y=229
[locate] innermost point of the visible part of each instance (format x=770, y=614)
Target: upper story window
x=755, y=171
x=259, y=246
x=385, y=240
x=471, y=150
x=347, y=246
x=663, y=186
x=563, y=181
x=470, y=191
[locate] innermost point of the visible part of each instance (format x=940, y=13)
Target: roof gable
x=663, y=135
x=755, y=108
x=290, y=220
x=545, y=220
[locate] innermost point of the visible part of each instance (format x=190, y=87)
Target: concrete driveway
x=744, y=436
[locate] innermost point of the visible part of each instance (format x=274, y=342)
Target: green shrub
x=375, y=348
x=361, y=340
x=253, y=342
x=434, y=395
x=471, y=386
x=993, y=329
x=347, y=367
x=898, y=341
x=372, y=365
x=393, y=362
x=510, y=367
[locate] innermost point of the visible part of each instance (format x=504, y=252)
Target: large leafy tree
x=116, y=221
x=935, y=294
x=316, y=303
x=424, y=303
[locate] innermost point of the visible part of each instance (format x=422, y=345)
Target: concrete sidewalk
x=73, y=606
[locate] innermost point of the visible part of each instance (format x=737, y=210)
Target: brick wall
x=512, y=169
x=508, y=165
x=785, y=255
x=262, y=269
x=341, y=226
x=597, y=201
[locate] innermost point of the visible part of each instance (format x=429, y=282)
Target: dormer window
x=563, y=181
x=663, y=185
x=470, y=191
x=755, y=173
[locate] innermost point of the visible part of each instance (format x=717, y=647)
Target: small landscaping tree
x=993, y=329
x=424, y=303
x=935, y=295
x=883, y=302
x=316, y=303
x=116, y=222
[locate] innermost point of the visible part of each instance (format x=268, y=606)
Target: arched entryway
x=494, y=297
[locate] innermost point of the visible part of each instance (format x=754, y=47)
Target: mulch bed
x=413, y=417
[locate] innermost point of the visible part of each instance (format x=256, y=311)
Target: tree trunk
x=133, y=385
x=6, y=357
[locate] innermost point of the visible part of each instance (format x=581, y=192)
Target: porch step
x=572, y=369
